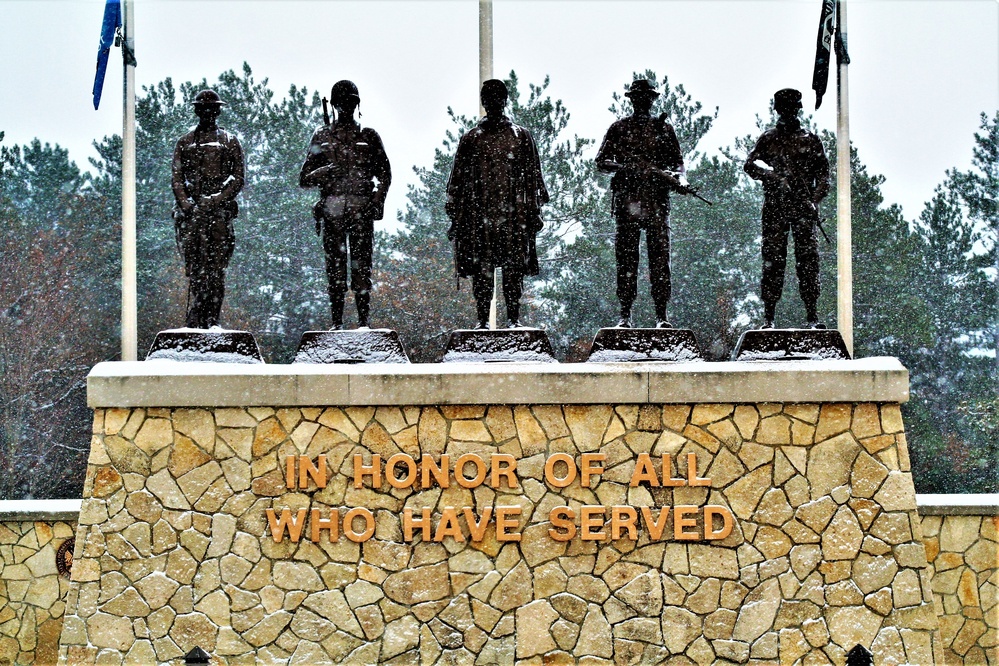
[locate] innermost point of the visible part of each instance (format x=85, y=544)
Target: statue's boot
x=769, y=311
x=625, y=320
x=363, y=301
x=812, y=317
x=336, y=309
x=513, y=315
x=662, y=319
x=482, y=314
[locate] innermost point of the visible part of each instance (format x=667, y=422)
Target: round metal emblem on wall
x=64, y=557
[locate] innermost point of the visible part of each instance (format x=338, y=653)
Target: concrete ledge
x=958, y=505
x=31, y=510
x=177, y=384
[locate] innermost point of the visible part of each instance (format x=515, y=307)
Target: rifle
x=791, y=180
x=684, y=189
x=326, y=113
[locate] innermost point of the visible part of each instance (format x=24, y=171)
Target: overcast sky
x=922, y=71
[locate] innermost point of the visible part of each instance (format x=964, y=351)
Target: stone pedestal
x=639, y=513
x=503, y=345
x=379, y=345
x=201, y=345
x=644, y=344
x=790, y=344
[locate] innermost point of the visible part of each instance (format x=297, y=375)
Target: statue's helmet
x=787, y=98
x=344, y=91
x=494, y=89
x=207, y=98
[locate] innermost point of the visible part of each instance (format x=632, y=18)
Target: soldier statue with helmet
x=207, y=176
x=348, y=164
x=792, y=164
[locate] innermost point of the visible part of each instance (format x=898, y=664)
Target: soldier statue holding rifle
x=348, y=164
x=791, y=163
x=207, y=176
x=644, y=155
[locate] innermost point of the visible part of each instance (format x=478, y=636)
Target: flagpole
x=128, y=289
x=486, y=73
x=844, y=231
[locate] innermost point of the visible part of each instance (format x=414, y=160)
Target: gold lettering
x=506, y=520
x=317, y=523
x=624, y=517
x=570, y=475
x=480, y=471
x=655, y=527
x=374, y=470
x=307, y=469
x=431, y=468
x=644, y=471
x=668, y=479
x=728, y=521
x=289, y=474
x=591, y=517
x=588, y=469
x=501, y=471
x=562, y=517
x=448, y=526
x=286, y=522
x=692, y=478
x=369, y=524
x=680, y=521
x=406, y=481
x=409, y=524
x=478, y=529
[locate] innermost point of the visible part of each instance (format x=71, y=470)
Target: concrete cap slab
x=39, y=509
x=984, y=504
x=179, y=384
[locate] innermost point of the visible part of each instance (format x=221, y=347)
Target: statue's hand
x=374, y=210
x=186, y=205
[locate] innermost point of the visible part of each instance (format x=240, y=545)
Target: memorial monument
x=348, y=164
x=494, y=197
x=207, y=175
x=791, y=163
x=643, y=154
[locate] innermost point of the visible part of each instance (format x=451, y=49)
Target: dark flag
x=112, y=21
x=823, y=50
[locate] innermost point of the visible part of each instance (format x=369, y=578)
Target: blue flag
x=112, y=21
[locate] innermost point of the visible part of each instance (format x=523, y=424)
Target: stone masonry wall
x=964, y=557
x=174, y=548
x=32, y=592
x=972, y=614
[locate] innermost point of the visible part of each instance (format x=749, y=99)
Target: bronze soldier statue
x=207, y=176
x=791, y=163
x=494, y=198
x=348, y=164
x=644, y=155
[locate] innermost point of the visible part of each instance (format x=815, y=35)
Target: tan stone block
x=531, y=435
x=774, y=430
x=772, y=542
x=746, y=418
x=726, y=432
x=802, y=434
x=830, y=462
x=841, y=540
x=675, y=417
x=744, y=495
x=588, y=423
x=897, y=493
x=595, y=637
x=539, y=616
x=891, y=418
x=643, y=593
x=419, y=584
x=702, y=437
x=833, y=419
x=968, y=636
x=126, y=456
x=713, y=562
x=709, y=413
x=866, y=422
